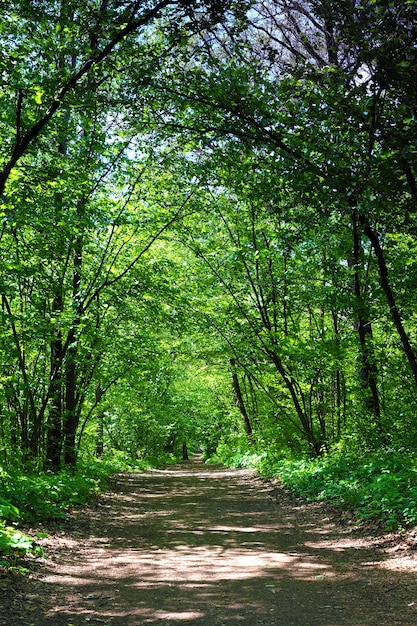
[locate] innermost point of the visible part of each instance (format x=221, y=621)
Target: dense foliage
x=378, y=487
x=208, y=241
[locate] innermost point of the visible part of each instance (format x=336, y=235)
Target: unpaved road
x=196, y=545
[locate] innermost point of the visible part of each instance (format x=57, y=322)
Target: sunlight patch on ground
x=341, y=544
x=181, y=616
x=401, y=563
x=200, y=564
x=197, y=565
x=241, y=529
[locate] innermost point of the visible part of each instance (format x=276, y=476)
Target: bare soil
x=198, y=545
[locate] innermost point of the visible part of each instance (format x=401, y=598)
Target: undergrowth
x=376, y=486
x=35, y=497
x=379, y=486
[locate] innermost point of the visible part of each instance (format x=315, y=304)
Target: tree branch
x=22, y=142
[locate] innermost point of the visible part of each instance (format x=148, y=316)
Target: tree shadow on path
x=201, y=545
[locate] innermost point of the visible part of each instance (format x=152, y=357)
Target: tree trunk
x=71, y=408
x=239, y=400
x=337, y=382
x=28, y=414
x=70, y=417
x=305, y=420
x=385, y=284
x=100, y=423
x=368, y=373
x=54, y=426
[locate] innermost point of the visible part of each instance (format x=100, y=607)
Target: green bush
x=12, y=541
x=38, y=497
x=48, y=495
x=234, y=451
x=8, y=510
x=378, y=486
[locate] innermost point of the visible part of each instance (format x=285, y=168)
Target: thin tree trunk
x=71, y=409
x=305, y=421
x=100, y=423
x=385, y=284
x=28, y=411
x=368, y=373
x=4, y=448
x=337, y=381
x=70, y=416
x=239, y=400
x=54, y=426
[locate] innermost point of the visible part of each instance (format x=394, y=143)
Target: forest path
x=198, y=545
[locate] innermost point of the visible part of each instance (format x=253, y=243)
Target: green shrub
x=378, y=486
x=48, y=495
x=37, y=497
x=234, y=451
x=8, y=511
x=12, y=541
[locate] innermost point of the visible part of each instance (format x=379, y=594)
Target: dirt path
x=196, y=545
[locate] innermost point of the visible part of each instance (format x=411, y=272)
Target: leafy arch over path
x=190, y=183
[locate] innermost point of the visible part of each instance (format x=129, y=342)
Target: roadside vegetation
x=30, y=499
x=376, y=486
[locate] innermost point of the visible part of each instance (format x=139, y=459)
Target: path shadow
x=199, y=545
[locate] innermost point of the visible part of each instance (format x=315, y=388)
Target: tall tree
x=316, y=87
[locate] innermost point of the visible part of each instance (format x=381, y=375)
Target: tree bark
x=70, y=415
x=54, y=426
x=385, y=284
x=71, y=408
x=239, y=400
x=100, y=423
x=368, y=373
